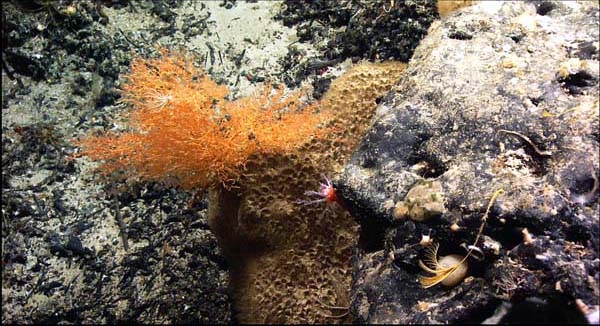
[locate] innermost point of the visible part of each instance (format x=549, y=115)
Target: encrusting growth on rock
x=185, y=133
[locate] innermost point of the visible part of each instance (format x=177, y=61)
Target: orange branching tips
x=184, y=132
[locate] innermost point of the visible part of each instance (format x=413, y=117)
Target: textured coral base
x=291, y=263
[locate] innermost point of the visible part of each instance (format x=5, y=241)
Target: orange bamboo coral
x=184, y=132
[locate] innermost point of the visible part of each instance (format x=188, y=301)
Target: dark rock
x=26, y=63
x=48, y=287
x=544, y=7
x=321, y=85
x=535, y=310
x=371, y=30
x=486, y=103
x=70, y=246
x=76, y=33
x=587, y=51
x=75, y=246
x=162, y=10
x=386, y=295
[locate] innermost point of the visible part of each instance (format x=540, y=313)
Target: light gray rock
x=497, y=96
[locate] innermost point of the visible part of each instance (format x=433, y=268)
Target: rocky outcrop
x=497, y=96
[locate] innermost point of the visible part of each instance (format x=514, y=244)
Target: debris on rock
x=491, y=99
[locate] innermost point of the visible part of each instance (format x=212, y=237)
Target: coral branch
x=184, y=132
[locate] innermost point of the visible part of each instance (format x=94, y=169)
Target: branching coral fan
x=184, y=132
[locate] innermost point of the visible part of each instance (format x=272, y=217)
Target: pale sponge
x=446, y=7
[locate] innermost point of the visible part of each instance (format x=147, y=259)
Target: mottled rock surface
x=72, y=251
x=375, y=30
x=497, y=96
x=65, y=264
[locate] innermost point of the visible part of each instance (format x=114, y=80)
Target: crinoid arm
x=310, y=202
x=432, y=265
x=326, y=192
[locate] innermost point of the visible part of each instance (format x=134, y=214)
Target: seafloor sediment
x=497, y=96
